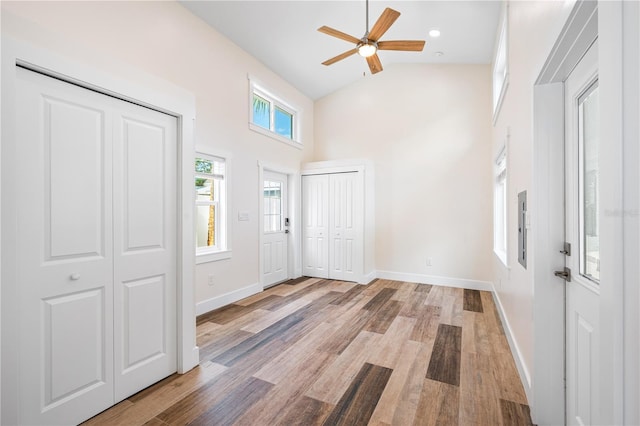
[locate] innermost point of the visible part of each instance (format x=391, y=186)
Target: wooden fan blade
x=374, y=63
x=339, y=34
x=406, y=45
x=383, y=23
x=340, y=57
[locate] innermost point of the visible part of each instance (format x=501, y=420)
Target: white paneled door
x=144, y=241
x=315, y=226
x=96, y=251
x=275, y=250
x=332, y=226
x=345, y=237
x=582, y=233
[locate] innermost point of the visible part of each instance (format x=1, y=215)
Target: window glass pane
x=204, y=166
x=205, y=226
x=261, y=112
x=283, y=123
x=204, y=189
x=589, y=171
x=272, y=206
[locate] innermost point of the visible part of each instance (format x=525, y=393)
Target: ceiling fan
x=370, y=43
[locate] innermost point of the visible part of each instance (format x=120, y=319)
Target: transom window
x=273, y=117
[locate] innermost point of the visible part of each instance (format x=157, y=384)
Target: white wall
x=427, y=128
x=533, y=29
x=165, y=40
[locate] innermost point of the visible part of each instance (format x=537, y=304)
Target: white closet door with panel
x=333, y=226
x=315, y=226
x=345, y=226
x=144, y=241
x=96, y=262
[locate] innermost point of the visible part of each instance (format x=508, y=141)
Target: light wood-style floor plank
x=312, y=352
x=336, y=379
x=391, y=397
x=407, y=410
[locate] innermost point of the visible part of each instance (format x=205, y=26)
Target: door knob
x=565, y=274
x=75, y=276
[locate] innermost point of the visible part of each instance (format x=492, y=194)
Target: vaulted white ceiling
x=283, y=35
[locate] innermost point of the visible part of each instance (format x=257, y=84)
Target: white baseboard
x=525, y=376
x=435, y=280
x=367, y=278
x=192, y=363
x=224, y=299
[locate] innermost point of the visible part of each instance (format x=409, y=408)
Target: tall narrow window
x=272, y=116
x=500, y=72
x=500, y=207
x=210, y=209
x=273, y=220
x=588, y=130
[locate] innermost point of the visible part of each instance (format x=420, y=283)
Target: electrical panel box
x=522, y=228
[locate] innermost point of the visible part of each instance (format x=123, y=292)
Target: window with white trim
x=211, y=207
x=500, y=207
x=273, y=117
x=500, y=72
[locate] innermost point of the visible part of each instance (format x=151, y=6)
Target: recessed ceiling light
x=434, y=33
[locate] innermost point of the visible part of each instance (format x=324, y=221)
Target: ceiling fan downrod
x=366, y=34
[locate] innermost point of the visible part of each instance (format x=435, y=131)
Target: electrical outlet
x=212, y=280
x=429, y=261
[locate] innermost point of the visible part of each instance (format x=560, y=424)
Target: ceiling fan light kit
x=368, y=46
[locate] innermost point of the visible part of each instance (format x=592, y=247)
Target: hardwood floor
x=322, y=352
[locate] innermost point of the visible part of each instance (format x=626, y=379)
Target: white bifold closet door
x=96, y=249
x=332, y=226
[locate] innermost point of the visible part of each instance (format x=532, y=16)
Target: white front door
x=96, y=251
x=582, y=223
x=344, y=242
x=315, y=226
x=275, y=250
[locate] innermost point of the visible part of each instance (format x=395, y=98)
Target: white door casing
x=315, y=226
x=72, y=218
x=275, y=238
x=582, y=322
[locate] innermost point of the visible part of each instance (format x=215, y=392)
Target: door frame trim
x=548, y=390
x=294, y=258
x=131, y=85
x=587, y=20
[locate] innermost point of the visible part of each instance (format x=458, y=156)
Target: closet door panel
x=345, y=226
x=63, y=296
x=145, y=148
x=315, y=226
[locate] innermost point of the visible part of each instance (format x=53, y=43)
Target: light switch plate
x=243, y=215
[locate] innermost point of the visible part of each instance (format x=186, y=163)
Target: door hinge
x=565, y=274
x=567, y=249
